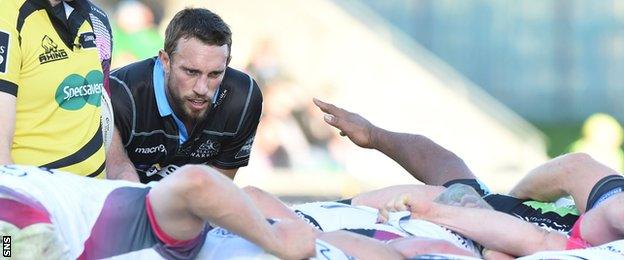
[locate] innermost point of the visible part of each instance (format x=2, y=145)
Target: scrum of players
x=194, y=211
x=163, y=219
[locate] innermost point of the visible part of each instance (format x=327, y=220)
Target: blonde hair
x=37, y=241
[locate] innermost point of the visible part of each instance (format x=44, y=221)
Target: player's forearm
x=5, y=156
x=268, y=204
x=118, y=165
x=379, y=198
x=496, y=230
x=5, y=149
x=7, y=127
x=233, y=210
x=6, y=141
x=127, y=173
x=420, y=156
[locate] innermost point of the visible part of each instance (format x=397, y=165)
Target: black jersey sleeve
x=235, y=153
x=122, y=107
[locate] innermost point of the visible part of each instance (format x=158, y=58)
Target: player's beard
x=180, y=108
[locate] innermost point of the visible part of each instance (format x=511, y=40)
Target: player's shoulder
x=236, y=79
x=133, y=73
x=9, y=13
x=240, y=90
x=96, y=10
x=233, y=74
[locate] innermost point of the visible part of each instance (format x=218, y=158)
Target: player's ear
x=164, y=58
x=229, y=55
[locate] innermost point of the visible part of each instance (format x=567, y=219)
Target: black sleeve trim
x=8, y=87
x=25, y=10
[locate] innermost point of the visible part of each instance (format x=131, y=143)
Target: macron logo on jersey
x=150, y=150
x=4, y=51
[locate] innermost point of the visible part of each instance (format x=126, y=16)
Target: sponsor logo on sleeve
x=246, y=149
x=4, y=51
x=87, y=40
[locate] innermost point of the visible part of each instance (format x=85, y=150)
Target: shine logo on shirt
x=51, y=51
x=4, y=51
x=76, y=91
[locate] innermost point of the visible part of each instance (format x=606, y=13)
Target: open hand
x=352, y=125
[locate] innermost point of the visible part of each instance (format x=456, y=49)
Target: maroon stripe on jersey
x=21, y=214
x=124, y=226
x=121, y=227
x=168, y=240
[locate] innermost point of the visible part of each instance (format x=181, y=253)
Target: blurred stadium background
x=504, y=84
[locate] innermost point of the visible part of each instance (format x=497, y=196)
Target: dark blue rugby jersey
x=223, y=139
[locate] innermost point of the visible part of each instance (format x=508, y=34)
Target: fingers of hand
x=383, y=216
x=399, y=203
x=325, y=107
x=402, y=203
x=329, y=118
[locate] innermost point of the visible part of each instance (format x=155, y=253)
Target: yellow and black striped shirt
x=53, y=66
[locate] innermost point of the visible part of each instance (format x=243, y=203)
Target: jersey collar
x=62, y=26
x=164, y=109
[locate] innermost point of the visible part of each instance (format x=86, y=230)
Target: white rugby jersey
x=332, y=216
x=223, y=244
x=73, y=202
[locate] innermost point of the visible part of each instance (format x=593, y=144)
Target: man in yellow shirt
x=54, y=64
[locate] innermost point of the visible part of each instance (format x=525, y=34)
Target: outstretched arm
x=268, y=204
x=492, y=229
x=422, y=158
x=380, y=197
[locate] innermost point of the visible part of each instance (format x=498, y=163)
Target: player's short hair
x=36, y=241
x=198, y=23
